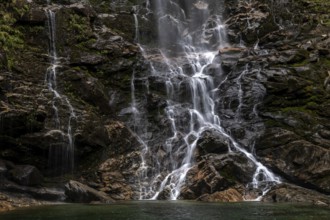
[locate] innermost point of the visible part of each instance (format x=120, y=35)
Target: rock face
x=296, y=159
x=26, y=175
x=281, y=58
x=291, y=193
x=78, y=192
x=95, y=66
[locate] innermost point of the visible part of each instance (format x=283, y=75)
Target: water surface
x=165, y=210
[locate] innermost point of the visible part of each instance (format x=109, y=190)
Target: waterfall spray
x=189, y=34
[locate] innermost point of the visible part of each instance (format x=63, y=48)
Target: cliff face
x=285, y=52
x=93, y=68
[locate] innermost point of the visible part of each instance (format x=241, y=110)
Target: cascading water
x=61, y=153
x=190, y=34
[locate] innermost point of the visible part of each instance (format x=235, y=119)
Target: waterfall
x=61, y=153
x=189, y=36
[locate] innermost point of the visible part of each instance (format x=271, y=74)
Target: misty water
x=171, y=210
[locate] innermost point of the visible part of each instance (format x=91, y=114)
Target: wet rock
x=5, y=204
x=117, y=174
x=78, y=192
x=83, y=9
x=3, y=60
x=260, y=22
x=217, y=173
x=229, y=195
x=88, y=88
x=38, y=193
x=3, y=170
x=155, y=102
x=26, y=175
x=213, y=142
x=286, y=153
x=290, y=193
x=213, y=70
x=35, y=16
x=87, y=59
x=19, y=121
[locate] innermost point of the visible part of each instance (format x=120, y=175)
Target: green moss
x=321, y=8
x=300, y=64
x=273, y=123
x=296, y=109
x=312, y=105
x=80, y=27
x=11, y=38
x=325, y=62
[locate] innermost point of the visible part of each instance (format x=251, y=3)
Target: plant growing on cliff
x=11, y=37
x=80, y=27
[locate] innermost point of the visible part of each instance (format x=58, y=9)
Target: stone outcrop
x=96, y=63
x=215, y=174
x=26, y=175
x=292, y=193
x=78, y=192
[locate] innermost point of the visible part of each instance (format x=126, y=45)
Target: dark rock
x=87, y=59
x=26, y=175
x=116, y=173
x=39, y=193
x=3, y=169
x=78, y=192
x=286, y=153
x=35, y=16
x=3, y=60
x=290, y=193
x=83, y=9
x=217, y=173
x=213, y=142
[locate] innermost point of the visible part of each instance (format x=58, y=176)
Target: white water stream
x=189, y=37
x=61, y=154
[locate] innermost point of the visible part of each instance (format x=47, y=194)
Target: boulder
x=26, y=175
x=213, y=142
x=290, y=193
x=217, y=173
x=78, y=192
x=296, y=159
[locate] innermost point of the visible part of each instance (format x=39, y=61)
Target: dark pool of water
x=145, y=210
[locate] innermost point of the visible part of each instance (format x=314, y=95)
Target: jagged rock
x=213, y=142
x=217, y=173
x=17, y=122
x=116, y=173
x=291, y=157
x=83, y=9
x=78, y=192
x=38, y=193
x=290, y=193
x=287, y=51
x=26, y=175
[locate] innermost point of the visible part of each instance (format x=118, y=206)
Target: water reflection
x=173, y=210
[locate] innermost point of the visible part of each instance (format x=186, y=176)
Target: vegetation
x=11, y=38
x=322, y=9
